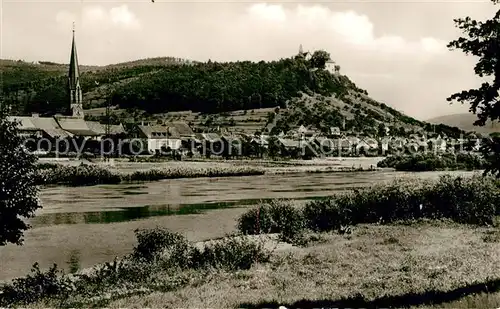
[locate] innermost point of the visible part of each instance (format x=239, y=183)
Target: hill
x=244, y=96
x=41, y=87
x=466, y=122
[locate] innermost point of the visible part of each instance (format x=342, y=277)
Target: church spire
x=301, y=50
x=74, y=81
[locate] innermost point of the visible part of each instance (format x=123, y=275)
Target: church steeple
x=75, y=90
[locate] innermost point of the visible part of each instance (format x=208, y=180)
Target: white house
x=158, y=137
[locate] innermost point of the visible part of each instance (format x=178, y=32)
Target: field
x=244, y=121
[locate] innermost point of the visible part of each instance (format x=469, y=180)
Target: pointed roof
x=74, y=73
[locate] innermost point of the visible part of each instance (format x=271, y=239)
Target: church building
x=72, y=124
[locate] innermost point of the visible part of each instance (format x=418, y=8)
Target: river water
x=83, y=226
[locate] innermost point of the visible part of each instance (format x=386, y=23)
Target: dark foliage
x=483, y=41
x=18, y=191
x=434, y=162
x=471, y=200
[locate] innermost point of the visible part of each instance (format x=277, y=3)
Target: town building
x=72, y=124
x=160, y=137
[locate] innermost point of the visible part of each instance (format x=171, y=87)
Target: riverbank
x=383, y=266
x=84, y=174
x=93, y=224
x=392, y=253
x=427, y=263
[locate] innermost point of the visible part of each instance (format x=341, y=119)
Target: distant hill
x=214, y=94
x=465, y=122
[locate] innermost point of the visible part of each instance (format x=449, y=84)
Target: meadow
x=401, y=244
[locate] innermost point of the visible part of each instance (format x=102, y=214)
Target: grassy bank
x=53, y=174
x=375, y=247
x=434, y=162
x=84, y=175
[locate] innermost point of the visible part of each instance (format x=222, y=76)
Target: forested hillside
x=42, y=87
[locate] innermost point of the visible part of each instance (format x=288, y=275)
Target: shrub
x=229, y=254
x=156, y=243
x=466, y=200
x=277, y=216
x=173, y=250
x=47, y=166
x=432, y=162
x=325, y=215
x=471, y=200
x=35, y=286
x=257, y=220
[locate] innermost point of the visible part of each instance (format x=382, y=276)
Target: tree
x=18, y=190
x=319, y=59
x=483, y=41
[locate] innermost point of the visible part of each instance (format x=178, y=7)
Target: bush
x=47, y=166
x=35, y=286
x=325, y=215
x=277, y=216
x=84, y=175
x=466, y=200
x=257, y=221
x=173, y=250
x=159, y=252
x=433, y=162
x=230, y=254
x=155, y=243
x=471, y=200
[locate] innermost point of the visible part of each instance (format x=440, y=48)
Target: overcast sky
x=395, y=50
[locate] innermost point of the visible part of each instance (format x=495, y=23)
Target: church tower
x=75, y=91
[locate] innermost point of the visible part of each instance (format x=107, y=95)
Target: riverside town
x=250, y=155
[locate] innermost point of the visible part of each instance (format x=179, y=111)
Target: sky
x=396, y=50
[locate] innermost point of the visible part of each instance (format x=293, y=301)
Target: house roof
x=289, y=142
x=76, y=126
x=50, y=127
x=231, y=138
x=211, y=137
x=159, y=132
x=24, y=123
x=262, y=140
x=181, y=127
x=96, y=127
x=101, y=128
x=117, y=129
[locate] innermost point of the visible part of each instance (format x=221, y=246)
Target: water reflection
x=74, y=261
x=141, y=212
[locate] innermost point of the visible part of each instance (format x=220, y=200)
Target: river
x=83, y=226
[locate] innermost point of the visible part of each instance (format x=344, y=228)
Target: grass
x=428, y=264
x=159, y=254
x=90, y=174
x=93, y=175
x=355, y=271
